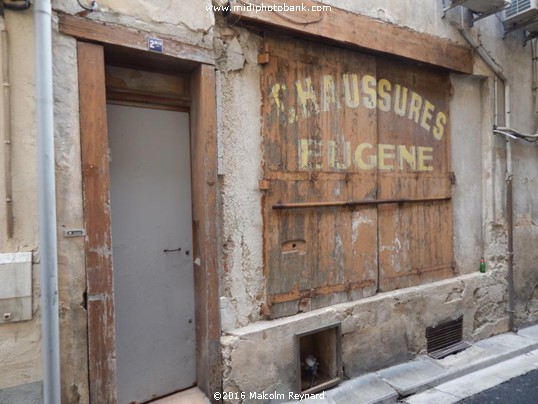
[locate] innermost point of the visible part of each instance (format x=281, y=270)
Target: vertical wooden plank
x=205, y=213
x=313, y=121
x=415, y=239
x=100, y=287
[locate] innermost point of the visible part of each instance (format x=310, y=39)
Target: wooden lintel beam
x=87, y=30
x=358, y=31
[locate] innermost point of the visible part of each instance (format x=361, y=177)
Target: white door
x=150, y=192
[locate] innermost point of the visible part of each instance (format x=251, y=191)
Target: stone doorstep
x=424, y=373
x=190, y=396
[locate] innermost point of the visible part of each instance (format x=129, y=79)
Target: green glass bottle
x=482, y=265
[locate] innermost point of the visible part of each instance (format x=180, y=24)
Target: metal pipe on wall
x=47, y=202
x=496, y=97
x=534, y=49
x=509, y=215
x=6, y=119
x=498, y=71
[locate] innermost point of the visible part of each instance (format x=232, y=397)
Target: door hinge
x=453, y=178
x=263, y=57
x=265, y=185
x=84, y=303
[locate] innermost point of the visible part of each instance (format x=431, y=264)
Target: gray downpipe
x=47, y=202
x=485, y=56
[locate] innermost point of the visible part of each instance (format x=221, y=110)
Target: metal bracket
x=453, y=178
x=263, y=57
x=447, y=8
x=69, y=233
x=264, y=185
x=480, y=16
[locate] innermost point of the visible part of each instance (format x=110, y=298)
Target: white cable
x=513, y=134
x=534, y=136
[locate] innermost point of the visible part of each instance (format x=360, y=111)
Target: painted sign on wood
x=345, y=134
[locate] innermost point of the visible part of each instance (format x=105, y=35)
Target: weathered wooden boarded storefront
x=357, y=178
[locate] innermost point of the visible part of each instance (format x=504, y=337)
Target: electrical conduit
x=47, y=202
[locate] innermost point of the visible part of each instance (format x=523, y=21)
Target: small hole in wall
x=294, y=247
x=319, y=359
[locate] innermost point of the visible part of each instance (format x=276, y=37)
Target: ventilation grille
x=516, y=7
x=445, y=338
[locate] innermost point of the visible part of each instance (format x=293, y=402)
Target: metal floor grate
x=445, y=338
x=451, y=350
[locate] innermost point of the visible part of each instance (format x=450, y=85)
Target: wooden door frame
x=96, y=188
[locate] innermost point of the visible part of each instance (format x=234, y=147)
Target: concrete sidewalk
x=424, y=380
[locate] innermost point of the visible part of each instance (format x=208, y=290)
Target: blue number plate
x=155, y=45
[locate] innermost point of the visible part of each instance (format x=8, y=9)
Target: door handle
x=176, y=250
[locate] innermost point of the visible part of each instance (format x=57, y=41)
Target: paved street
x=488, y=376
x=520, y=390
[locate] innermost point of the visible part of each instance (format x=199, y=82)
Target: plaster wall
x=466, y=143
x=516, y=61
x=188, y=21
x=20, y=343
x=71, y=258
x=243, y=284
x=417, y=15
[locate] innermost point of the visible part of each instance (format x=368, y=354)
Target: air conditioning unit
x=482, y=6
x=521, y=14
